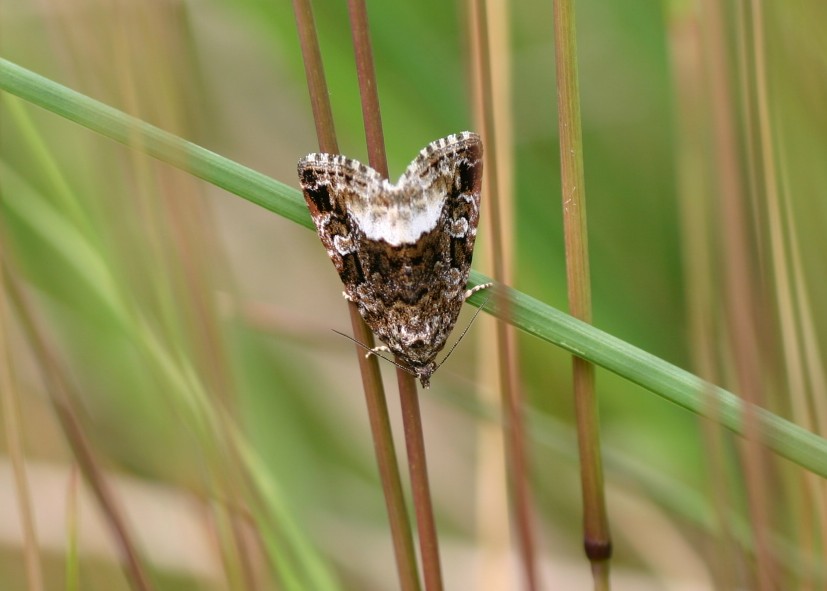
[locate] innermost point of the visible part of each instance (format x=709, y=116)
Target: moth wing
x=456, y=159
x=424, y=282
x=331, y=185
x=450, y=170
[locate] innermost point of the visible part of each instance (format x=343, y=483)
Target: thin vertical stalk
x=784, y=287
x=71, y=575
x=409, y=397
x=314, y=73
x=790, y=319
x=493, y=515
x=375, y=400
x=12, y=423
x=367, y=86
x=740, y=289
x=400, y=524
x=420, y=486
x=695, y=215
x=811, y=356
x=61, y=396
x=511, y=398
x=597, y=538
x=184, y=274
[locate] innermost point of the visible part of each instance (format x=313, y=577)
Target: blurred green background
x=186, y=318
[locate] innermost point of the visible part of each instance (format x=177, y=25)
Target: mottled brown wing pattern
x=329, y=183
x=403, y=251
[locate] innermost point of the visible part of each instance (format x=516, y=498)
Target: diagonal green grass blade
x=529, y=314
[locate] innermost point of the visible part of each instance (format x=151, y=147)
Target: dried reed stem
x=61, y=396
x=12, y=423
x=375, y=400
x=597, y=539
x=409, y=401
x=511, y=398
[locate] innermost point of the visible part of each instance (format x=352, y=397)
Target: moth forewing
x=403, y=250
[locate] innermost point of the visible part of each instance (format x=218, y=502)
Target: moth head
x=424, y=373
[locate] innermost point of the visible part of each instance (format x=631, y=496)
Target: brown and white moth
x=403, y=250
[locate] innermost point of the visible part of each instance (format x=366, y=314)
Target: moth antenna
x=474, y=317
x=366, y=348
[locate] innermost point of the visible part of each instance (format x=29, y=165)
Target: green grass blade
x=222, y=172
x=656, y=375
x=529, y=314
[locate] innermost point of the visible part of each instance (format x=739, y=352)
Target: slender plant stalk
x=61, y=397
x=694, y=198
x=12, y=424
x=811, y=354
x=409, y=397
x=292, y=557
x=493, y=513
x=314, y=73
x=420, y=487
x=780, y=257
x=511, y=396
x=72, y=568
x=375, y=400
x=525, y=312
x=597, y=538
x=368, y=90
x=188, y=279
x=739, y=291
x=385, y=450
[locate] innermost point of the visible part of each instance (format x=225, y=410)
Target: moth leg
x=377, y=350
x=474, y=290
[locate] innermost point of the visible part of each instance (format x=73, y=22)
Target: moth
x=403, y=250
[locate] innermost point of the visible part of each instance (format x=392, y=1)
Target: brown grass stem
x=695, y=201
x=790, y=319
x=71, y=574
x=409, y=401
x=61, y=396
x=13, y=426
x=314, y=73
x=384, y=449
x=740, y=286
x=182, y=260
x=597, y=538
x=511, y=397
x=420, y=486
x=368, y=91
x=811, y=356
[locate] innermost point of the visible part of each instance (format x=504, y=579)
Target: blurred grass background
x=180, y=312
